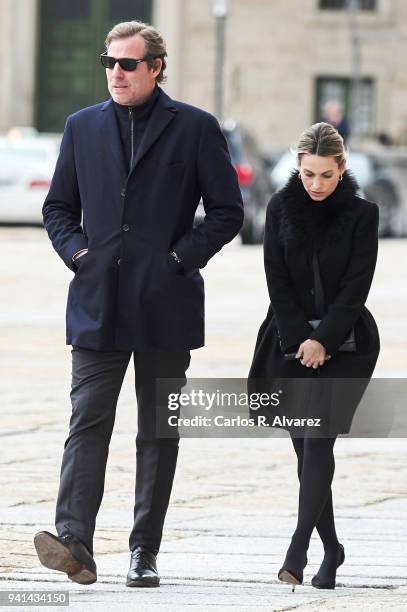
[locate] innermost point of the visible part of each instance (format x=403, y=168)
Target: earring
x=299, y=175
x=341, y=177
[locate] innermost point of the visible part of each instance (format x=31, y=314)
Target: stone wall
x=276, y=49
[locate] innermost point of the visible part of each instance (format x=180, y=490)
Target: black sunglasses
x=126, y=63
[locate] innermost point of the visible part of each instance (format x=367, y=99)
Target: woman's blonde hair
x=321, y=139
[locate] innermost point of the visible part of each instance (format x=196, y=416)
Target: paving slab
x=234, y=501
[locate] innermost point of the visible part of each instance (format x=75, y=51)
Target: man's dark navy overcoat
x=124, y=295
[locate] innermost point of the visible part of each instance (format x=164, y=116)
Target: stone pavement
x=234, y=500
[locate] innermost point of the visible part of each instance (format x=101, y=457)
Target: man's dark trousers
x=97, y=377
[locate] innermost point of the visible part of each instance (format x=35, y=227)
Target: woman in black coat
x=317, y=225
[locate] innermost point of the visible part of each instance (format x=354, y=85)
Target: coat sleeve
x=291, y=320
x=62, y=210
x=221, y=198
x=354, y=287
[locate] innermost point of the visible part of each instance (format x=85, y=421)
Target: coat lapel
x=163, y=113
x=111, y=137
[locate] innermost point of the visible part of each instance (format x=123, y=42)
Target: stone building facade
x=284, y=58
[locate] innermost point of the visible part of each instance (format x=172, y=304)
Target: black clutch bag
x=350, y=343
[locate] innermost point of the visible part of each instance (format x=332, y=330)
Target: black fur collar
x=302, y=220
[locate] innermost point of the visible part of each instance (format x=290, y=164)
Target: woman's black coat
x=344, y=229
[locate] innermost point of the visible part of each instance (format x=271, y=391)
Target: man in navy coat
x=120, y=211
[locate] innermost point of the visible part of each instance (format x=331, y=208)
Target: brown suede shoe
x=66, y=554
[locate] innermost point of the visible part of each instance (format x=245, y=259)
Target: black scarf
x=302, y=220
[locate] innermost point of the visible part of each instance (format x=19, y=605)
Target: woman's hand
x=312, y=354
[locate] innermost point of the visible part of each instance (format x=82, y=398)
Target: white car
x=27, y=163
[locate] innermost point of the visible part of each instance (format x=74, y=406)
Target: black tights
x=316, y=466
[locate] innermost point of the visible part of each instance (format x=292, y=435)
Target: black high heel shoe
x=325, y=578
x=292, y=572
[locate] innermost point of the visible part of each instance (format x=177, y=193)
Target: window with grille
x=337, y=5
x=339, y=90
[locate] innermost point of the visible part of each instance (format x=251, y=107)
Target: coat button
x=119, y=262
x=312, y=291
x=126, y=227
x=123, y=192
